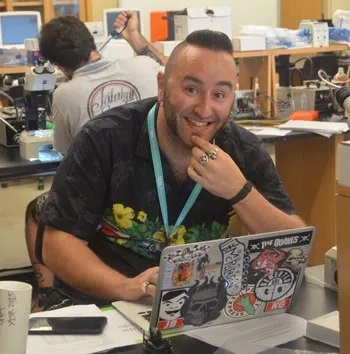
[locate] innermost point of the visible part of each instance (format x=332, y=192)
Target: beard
x=173, y=123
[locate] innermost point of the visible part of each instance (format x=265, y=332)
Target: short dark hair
x=66, y=41
x=213, y=40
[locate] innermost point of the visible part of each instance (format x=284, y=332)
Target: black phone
x=67, y=325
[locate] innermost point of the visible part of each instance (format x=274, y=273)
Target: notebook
x=225, y=280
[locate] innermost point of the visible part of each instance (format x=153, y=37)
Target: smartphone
x=67, y=325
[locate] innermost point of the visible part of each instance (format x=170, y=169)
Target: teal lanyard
x=158, y=174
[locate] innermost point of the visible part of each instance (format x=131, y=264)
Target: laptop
x=225, y=280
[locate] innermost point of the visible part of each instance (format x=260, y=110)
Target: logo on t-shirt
x=111, y=94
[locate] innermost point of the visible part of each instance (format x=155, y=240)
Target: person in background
x=103, y=227
x=95, y=84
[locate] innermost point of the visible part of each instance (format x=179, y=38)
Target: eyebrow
x=220, y=83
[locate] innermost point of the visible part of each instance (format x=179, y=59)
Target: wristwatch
x=241, y=194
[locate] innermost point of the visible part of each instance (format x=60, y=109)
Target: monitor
x=16, y=26
x=110, y=15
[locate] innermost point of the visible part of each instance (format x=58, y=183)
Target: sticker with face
x=171, y=304
x=267, y=261
x=205, y=301
x=276, y=285
x=243, y=304
x=234, y=256
x=295, y=257
x=182, y=274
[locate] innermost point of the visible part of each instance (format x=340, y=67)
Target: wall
x=259, y=12
x=99, y=5
x=329, y=6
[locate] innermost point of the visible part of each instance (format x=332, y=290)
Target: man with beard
x=160, y=171
x=94, y=85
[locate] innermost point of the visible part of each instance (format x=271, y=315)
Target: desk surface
x=311, y=301
x=12, y=165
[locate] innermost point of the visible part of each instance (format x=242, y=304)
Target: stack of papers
x=325, y=329
x=118, y=332
x=323, y=128
x=253, y=336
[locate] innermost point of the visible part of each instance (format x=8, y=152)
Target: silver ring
x=204, y=159
x=213, y=154
x=144, y=287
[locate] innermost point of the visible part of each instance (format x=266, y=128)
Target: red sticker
x=278, y=305
x=176, y=323
x=267, y=260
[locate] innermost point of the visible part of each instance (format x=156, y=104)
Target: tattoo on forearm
x=148, y=52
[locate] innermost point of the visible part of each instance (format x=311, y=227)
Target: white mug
x=15, y=304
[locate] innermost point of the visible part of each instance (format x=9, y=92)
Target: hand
x=133, y=286
x=218, y=174
x=131, y=21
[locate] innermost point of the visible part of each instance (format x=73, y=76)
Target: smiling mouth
x=197, y=123
x=171, y=313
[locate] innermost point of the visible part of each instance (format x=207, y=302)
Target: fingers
x=148, y=286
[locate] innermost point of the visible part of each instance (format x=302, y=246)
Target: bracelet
x=241, y=194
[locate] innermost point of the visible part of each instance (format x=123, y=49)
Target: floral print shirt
x=106, y=182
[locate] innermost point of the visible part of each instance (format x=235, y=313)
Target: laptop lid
x=225, y=280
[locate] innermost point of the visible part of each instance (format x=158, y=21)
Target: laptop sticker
x=233, y=271
x=170, y=309
x=244, y=304
x=205, y=301
x=276, y=285
x=295, y=258
x=182, y=273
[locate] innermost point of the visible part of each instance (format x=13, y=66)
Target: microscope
x=40, y=81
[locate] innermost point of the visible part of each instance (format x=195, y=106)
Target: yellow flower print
x=123, y=216
x=160, y=236
x=142, y=216
x=233, y=220
x=121, y=241
x=178, y=237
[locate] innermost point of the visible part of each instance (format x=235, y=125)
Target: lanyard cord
x=158, y=174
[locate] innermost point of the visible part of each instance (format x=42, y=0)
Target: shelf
x=27, y=3
x=5, y=70
x=311, y=50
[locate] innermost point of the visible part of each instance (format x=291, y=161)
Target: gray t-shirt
x=97, y=87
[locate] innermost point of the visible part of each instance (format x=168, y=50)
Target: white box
x=165, y=47
x=343, y=173
x=330, y=269
x=217, y=18
x=246, y=43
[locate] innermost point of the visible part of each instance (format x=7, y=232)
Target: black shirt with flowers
x=105, y=187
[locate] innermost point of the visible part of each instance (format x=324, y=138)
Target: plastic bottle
x=303, y=102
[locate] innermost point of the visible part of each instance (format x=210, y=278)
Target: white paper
x=254, y=335
x=262, y=131
x=118, y=332
x=315, y=126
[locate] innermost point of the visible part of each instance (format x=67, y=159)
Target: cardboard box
x=166, y=47
x=246, y=43
x=217, y=18
x=343, y=173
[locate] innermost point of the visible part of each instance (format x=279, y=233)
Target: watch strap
x=241, y=194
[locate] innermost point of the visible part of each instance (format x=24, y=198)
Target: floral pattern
x=131, y=229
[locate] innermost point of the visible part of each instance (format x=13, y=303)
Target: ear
x=160, y=80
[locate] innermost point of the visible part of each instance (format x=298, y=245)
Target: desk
x=306, y=164
x=305, y=306
x=13, y=166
